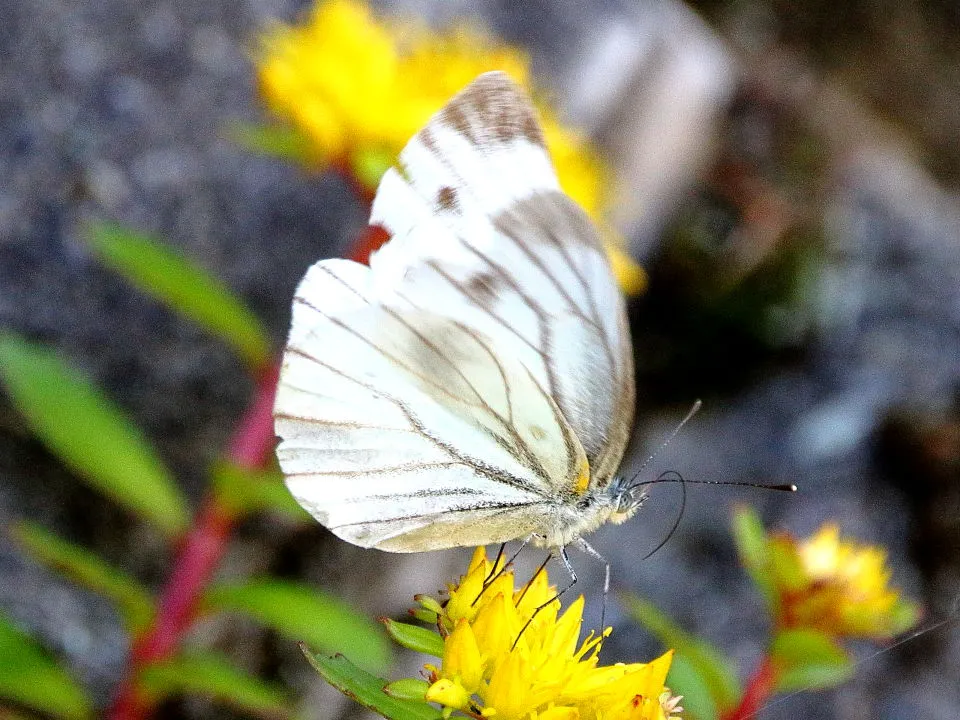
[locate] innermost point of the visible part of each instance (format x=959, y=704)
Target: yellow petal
x=496, y=626
x=461, y=657
x=509, y=689
x=449, y=693
x=559, y=713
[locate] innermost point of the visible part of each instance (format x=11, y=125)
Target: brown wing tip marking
x=493, y=109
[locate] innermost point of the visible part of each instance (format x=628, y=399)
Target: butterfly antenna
x=782, y=487
x=694, y=409
x=683, y=506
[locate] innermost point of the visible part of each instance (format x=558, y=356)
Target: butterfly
x=474, y=384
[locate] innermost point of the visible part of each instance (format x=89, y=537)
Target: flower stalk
x=198, y=556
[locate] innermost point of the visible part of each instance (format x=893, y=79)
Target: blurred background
x=787, y=174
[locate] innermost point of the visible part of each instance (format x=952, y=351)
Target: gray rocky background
x=801, y=234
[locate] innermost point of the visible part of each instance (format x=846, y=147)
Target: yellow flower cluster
x=361, y=87
x=494, y=668
x=837, y=586
x=358, y=88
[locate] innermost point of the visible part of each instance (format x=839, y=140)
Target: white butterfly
x=474, y=385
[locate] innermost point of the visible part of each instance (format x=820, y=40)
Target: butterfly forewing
x=453, y=392
x=482, y=233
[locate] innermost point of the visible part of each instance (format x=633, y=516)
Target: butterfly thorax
x=566, y=522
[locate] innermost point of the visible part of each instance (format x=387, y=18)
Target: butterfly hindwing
x=394, y=418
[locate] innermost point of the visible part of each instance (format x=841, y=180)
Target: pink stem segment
x=758, y=692
x=198, y=556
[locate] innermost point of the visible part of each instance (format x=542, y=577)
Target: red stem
x=201, y=549
x=198, y=556
x=759, y=689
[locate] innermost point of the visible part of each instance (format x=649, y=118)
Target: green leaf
x=415, y=638
x=716, y=670
x=246, y=491
x=807, y=659
x=157, y=270
x=212, y=675
x=367, y=689
x=89, y=433
x=29, y=677
x=86, y=568
x=303, y=613
x=686, y=679
x=407, y=689
x=751, y=541
x=281, y=141
x=903, y=615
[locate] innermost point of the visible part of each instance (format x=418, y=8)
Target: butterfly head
x=625, y=499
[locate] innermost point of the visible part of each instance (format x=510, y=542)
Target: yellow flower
x=359, y=88
x=837, y=586
x=496, y=665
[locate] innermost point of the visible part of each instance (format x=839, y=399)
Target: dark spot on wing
x=447, y=199
x=426, y=137
x=482, y=287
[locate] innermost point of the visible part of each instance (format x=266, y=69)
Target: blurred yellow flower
x=839, y=587
x=358, y=88
x=494, y=668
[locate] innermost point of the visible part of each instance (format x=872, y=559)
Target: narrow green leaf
x=248, y=491
x=686, y=679
x=407, y=689
x=214, y=676
x=415, y=638
x=303, y=613
x=716, y=669
x=367, y=689
x=86, y=568
x=280, y=141
x=29, y=677
x=89, y=433
x=156, y=269
x=808, y=659
x=751, y=541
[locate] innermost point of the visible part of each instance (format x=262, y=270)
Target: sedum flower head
x=491, y=669
x=838, y=586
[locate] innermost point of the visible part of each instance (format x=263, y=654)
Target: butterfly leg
x=496, y=573
x=573, y=581
x=493, y=569
x=588, y=549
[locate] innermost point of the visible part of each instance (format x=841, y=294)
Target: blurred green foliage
x=91, y=435
x=31, y=678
